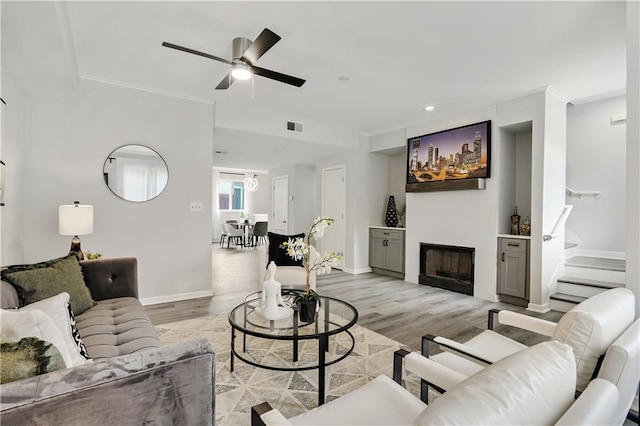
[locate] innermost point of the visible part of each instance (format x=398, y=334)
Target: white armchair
x=589, y=328
x=287, y=276
x=533, y=386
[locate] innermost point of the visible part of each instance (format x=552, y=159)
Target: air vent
x=295, y=127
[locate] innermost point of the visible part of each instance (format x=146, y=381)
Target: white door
x=334, y=199
x=280, y=205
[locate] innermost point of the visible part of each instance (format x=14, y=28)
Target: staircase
x=586, y=276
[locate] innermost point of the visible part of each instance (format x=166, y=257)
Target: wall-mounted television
x=443, y=160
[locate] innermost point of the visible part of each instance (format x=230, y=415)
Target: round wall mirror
x=135, y=173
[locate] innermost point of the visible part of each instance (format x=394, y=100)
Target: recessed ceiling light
x=343, y=78
x=429, y=108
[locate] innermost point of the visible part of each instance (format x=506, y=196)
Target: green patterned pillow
x=46, y=279
x=28, y=357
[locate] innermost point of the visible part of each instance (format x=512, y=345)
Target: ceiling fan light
x=241, y=72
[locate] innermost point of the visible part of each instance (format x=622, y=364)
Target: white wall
x=595, y=152
x=633, y=150
x=262, y=197
x=461, y=218
x=523, y=174
x=552, y=199
x=66, y=145
x=367, y=189
x=303, y=205
x=547, y=115
x=13, y=155
x=397, y=178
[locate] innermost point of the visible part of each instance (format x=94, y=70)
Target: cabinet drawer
x=389, y=234
x=513, y=244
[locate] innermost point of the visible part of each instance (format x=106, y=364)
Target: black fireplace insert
x=448, y=267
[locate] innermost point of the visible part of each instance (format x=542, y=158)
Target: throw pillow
x=59, y=310
x=14, y=325
x=46, y=279
x=278, y=254
x=28, y=357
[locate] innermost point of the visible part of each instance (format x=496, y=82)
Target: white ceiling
x=399, y=56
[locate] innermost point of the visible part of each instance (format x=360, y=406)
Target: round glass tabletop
x=332, y=316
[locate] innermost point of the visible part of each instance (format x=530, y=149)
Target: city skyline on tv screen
x=454, y=154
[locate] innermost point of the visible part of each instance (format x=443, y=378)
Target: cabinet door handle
x=513, y=244
x=503, y=256
x=385, y=233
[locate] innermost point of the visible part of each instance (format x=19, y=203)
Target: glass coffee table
x=333, y=319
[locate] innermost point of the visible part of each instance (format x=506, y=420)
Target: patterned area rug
x=291, y=392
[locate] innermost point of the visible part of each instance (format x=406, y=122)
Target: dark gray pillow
x=28, y=357
x=279, y=255
x=42, y=280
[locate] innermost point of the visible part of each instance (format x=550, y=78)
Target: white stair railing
x=572, y=193
x=566, y=210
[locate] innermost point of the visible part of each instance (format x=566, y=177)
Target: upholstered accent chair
x=289, y=274
x=532, y=386
x=589, y=328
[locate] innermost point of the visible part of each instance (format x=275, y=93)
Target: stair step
x=570, y=245
x=568, y=298
x=590, y=283
x=604, y=263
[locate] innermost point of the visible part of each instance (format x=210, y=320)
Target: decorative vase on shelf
x=525, y=228
x=515, y=222
x=391, y=219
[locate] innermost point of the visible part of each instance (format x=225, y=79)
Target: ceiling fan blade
x=262, y=43
x=225, y=83
x=195, y=52
x=273, y=75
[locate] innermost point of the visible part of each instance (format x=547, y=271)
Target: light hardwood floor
x=397, y=309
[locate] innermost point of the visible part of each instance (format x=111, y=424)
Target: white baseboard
x=541, y=309
x=175, y=297
x=356, y=271
x=491, y=297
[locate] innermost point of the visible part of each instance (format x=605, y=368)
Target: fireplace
x=448, y=267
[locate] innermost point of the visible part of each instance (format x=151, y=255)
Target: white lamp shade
x=75, y=219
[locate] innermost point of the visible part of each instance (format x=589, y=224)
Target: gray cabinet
x=513, y=270
x=386, y=251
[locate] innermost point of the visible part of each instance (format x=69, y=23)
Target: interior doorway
x=334, y=200
x=280, y=205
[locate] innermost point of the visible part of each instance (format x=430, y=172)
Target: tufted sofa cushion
x=116, y=327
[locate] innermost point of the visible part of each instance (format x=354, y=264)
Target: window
x=230, y=195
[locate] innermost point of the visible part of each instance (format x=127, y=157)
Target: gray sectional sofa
x=132, y=379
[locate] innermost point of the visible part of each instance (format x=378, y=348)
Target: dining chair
x=234, y=234
x=259, y=233
x=223, y=234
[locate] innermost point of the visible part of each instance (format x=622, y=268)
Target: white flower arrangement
x=301, y=249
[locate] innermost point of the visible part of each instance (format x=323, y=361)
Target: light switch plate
x=195, y=206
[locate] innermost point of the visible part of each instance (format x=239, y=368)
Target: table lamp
x=75, y=219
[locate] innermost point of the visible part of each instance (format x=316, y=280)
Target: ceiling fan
x=245, y=53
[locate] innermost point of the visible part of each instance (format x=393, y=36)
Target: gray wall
x=13, y=155
x=66, y=146
x=596, y=152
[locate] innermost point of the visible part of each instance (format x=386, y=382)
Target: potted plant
x=301, y=248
